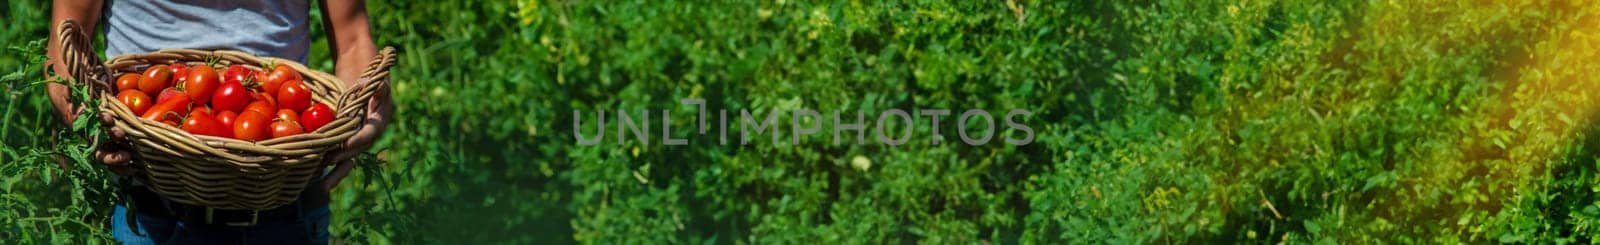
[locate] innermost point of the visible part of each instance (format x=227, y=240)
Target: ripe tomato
x=294, y=96
x=261, y=77
x=168, y=94
x=202, y=123
x=287, y=115
x=226, y=117
x=282, y=128
x=231, y=96
x=180, y=73
x=251, y=126
x=236, y=73
x=201, y=83
x=316, y=116
x=135, y=100
x=264, y=96
x=128, y=81
x=155, y=79
x=279, y=75
x=168, y=110
x=200, y=108
x=261, y=106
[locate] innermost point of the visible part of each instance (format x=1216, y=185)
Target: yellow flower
x=861, y=163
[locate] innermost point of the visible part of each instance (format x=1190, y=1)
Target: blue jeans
x=312, y=229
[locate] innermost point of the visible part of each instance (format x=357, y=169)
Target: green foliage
x=58, y=162
x=1155, y=121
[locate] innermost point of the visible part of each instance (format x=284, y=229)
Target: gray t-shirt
x=275, y=28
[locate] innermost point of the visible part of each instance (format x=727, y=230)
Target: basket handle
x=354, y=102
x=77, y=53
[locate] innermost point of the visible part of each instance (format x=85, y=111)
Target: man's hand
x=112, y=154
x=117, y=157
x=379, y=110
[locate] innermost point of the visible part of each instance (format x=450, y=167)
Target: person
x=276, y=28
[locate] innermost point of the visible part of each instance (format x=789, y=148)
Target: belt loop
x=209, y=212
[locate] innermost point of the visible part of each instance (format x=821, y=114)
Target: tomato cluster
x=240, y=102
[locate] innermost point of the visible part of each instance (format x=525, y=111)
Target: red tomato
x=168, y=110
x=261, y=106
x=282, y=128
x=226, y=117
x=236, y=73
x=202, y=123
x=251, y=126
x=316, y=116
x=135, y=100
x=201, y=82
x=155, y=79
x=201, y=108
x=294, y=96
x=264, y=96
x=168, y=94
x=261, y=77
x=279, y=75
x=180, y=73
x=128, y=81
x=231, y=96
x=287, y=115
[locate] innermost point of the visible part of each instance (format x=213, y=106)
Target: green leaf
x=1312, y=227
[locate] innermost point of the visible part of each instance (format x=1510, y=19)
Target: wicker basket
x=221, y=172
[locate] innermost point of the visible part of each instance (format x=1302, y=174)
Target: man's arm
x=87, y=14
x=349, y=37
x=350, y=40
